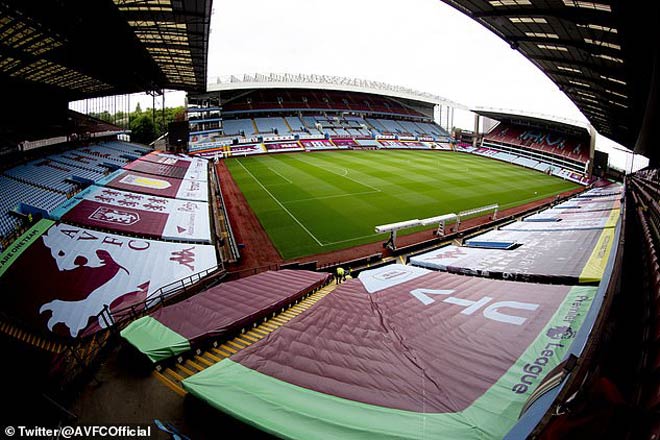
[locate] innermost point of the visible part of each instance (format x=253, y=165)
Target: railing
x=31, y=145
x=251, y=271
x=112, y=318
x=233, y=247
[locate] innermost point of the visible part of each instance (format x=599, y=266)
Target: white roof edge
x=323, y=82
x=544, y=116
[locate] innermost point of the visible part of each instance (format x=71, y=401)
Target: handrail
x=114, y=317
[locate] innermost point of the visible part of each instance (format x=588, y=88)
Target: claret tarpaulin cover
x=163, y=186
x=196, y=168
x=58, y=277
x=168, y=166
x=141, y=214
x=218, y=311
x=402, y=352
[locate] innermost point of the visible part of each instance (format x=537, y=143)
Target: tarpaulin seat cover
x=220, y=310
x=59, y=277
x=555, y=256
x=196, y=171
x=550, y=214
x=195, y=168
x=603, y=191
x=141, y=214
x=401, y=352
x=568, y=222
x=583, y=205
x=163, y=186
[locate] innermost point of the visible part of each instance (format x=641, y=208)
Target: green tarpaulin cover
x=154, y=339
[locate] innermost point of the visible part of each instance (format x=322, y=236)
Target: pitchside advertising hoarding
x=317, y=144
x=58, y=277
x=149, y=216
x=415, y=353
x=280, y=146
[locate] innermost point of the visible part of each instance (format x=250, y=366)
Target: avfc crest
x=561, y=332
x=115, y=216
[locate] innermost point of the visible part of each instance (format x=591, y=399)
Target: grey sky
x=422, y=44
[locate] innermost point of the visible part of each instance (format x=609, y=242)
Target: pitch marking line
x=331, y=197
x=279, y=175
x=351, y=239
x=280, y=204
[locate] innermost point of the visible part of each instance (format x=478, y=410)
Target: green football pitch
x=311, y=203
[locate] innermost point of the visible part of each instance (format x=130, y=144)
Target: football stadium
x=312, y=256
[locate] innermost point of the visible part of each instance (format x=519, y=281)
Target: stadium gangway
x=469, y=212
x=392, y=228
x=440, y=220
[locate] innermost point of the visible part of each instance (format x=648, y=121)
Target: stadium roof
x=324, y=82
x=81, y=48
x=550, y=122
x=600, y=53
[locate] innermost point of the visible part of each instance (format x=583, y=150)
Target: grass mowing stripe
x=345, y=176
x=280, y=204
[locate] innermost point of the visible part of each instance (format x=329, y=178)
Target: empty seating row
x=644, y=188
x=46, y=183
x=127, y=148
x=272, y=126
x=45, y=174
x=108, y=154
x=81, y=162
x=15, y=192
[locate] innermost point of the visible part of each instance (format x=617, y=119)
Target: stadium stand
x=563, y=154
x=262, y=115
x=400, y=322
x=555, y=143
x=38, y=187
x=219, y=311
x=271, y=126
x=44, y=174
x=15, y=192
x=83, y=271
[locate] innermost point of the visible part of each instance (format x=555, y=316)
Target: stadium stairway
x=287, y=125
x=193, y=363
x=32, y=339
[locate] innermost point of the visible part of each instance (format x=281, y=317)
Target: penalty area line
x=281, y=205
x=279, y=175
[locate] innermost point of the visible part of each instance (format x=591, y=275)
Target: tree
x=142, y=128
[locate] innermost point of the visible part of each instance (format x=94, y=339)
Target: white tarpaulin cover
x=66, y=276
x=129, y=212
